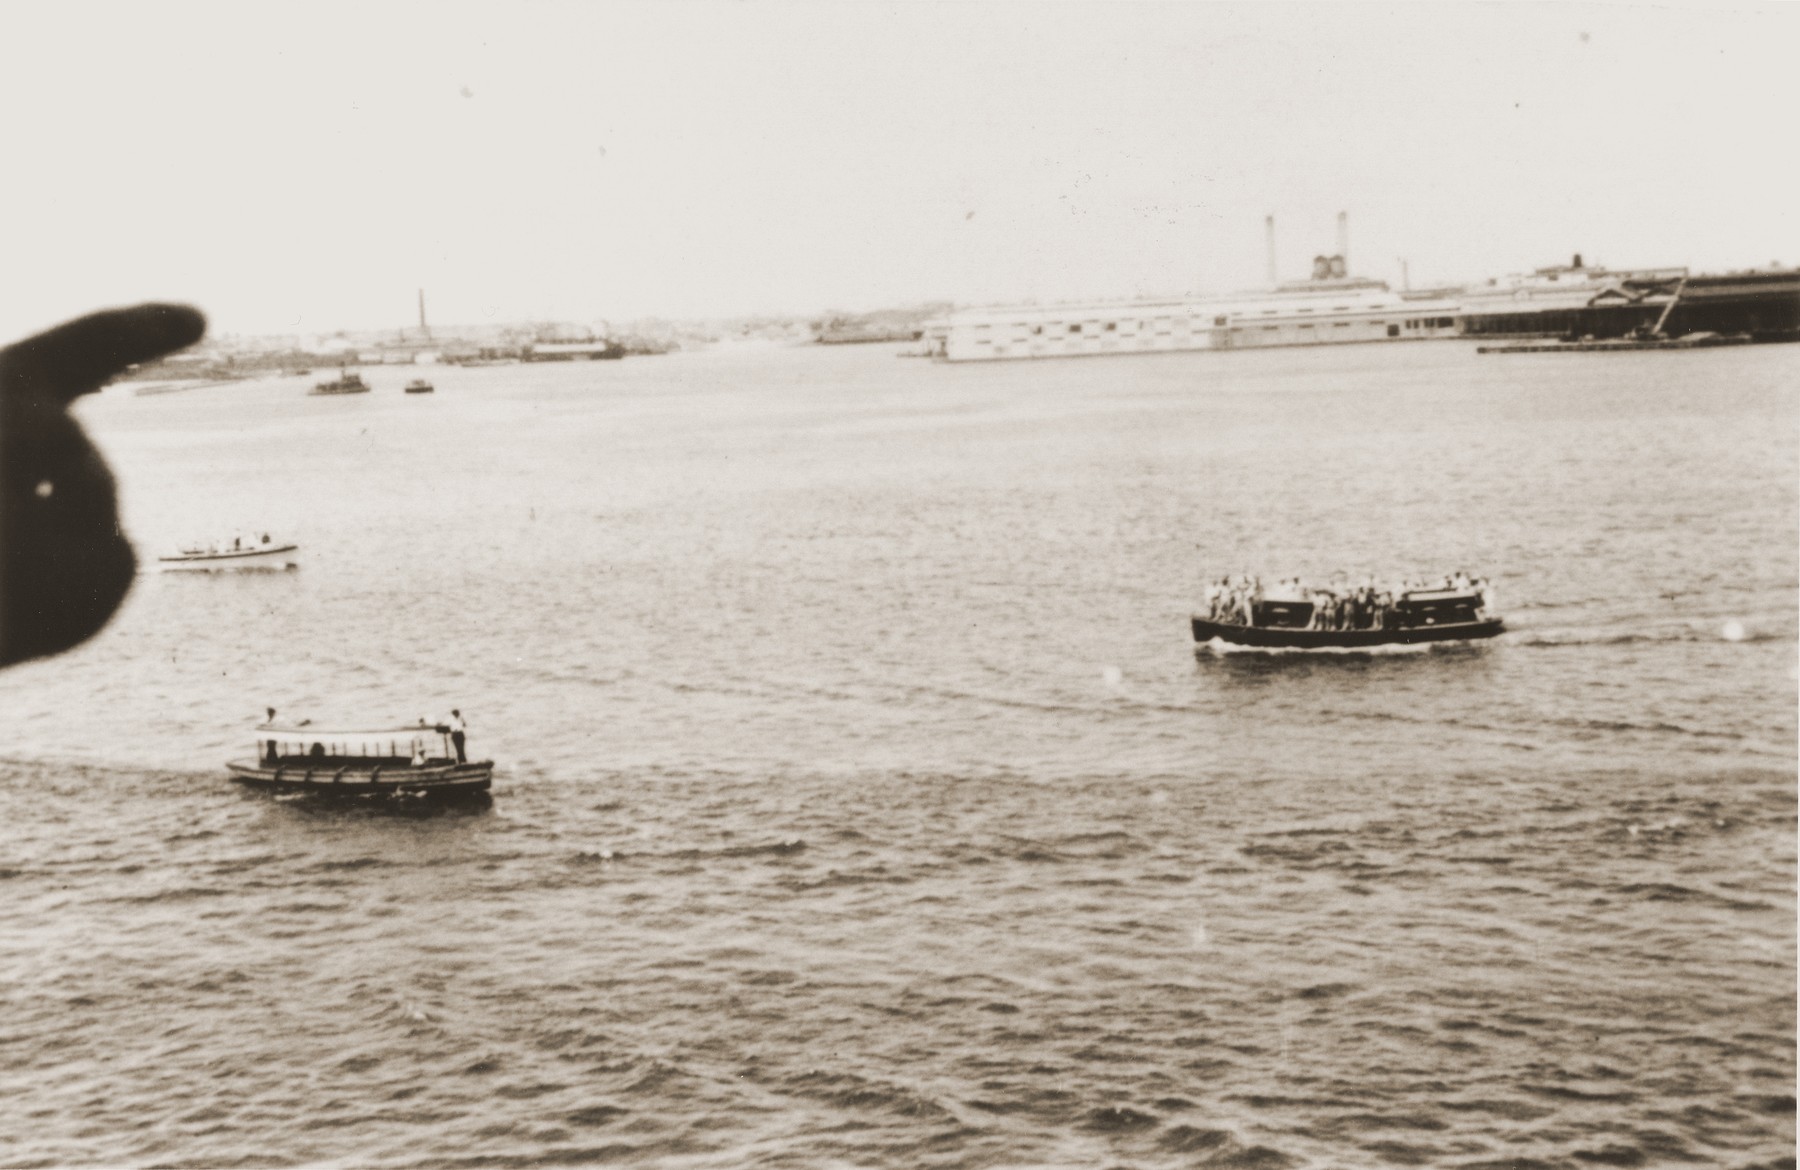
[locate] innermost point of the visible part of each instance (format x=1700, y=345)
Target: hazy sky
x=307, y=167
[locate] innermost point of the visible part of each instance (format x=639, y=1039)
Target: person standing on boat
x=458, y=734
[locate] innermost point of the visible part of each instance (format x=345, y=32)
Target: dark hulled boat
x=380, y=762
x=1415, y=618
x=349, y=382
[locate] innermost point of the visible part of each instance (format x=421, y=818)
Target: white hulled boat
x=416, y=760
x=240, y=553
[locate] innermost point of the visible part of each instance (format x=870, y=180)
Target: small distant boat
x=349, y=382
x=1437, y=615
x=419, y=386
x=241, y=553
x=850, y=331
x=404, y=761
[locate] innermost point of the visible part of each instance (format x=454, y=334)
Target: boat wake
x=1687, y=632
x=1220, y=646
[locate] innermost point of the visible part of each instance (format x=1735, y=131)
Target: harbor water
x=861, y=799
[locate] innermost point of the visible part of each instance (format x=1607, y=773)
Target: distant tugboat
x=349, y=382
x=419, y=386
x=1411, y=618
x=416, y=761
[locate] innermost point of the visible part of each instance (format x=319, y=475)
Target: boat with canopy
x=402, y=760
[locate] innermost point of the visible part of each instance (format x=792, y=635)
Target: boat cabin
x=1438, y=607
x=422, y=745
x=237, y=544
x=1284, y=615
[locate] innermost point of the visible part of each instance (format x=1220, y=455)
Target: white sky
x=307, y=167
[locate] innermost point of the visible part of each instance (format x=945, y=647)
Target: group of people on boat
x=338, y=761
x=1338, y=606
x=218, y=548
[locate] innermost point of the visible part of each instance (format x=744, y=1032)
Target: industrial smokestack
x=1269, y=230
x=1344, y=238
x=423, y=328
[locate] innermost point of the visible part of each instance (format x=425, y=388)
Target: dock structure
x=1329, y=307
x=1592, y=303
x=1622, y=344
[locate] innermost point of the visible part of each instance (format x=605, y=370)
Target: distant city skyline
x=306, y=169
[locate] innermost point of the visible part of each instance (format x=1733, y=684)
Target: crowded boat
x=1293, y=613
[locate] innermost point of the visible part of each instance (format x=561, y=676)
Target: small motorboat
x=1413, y=618
x=348, y=382
x=403, y=761
x=419, y=386
x=238, y=554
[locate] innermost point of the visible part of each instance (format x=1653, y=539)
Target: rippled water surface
x=862, y=800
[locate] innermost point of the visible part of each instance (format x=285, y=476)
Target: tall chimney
x=1269, y=230
x=423, y=328
x=1344, y=238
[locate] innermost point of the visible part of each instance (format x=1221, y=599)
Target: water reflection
x=1250, y=668
x=325, y=807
